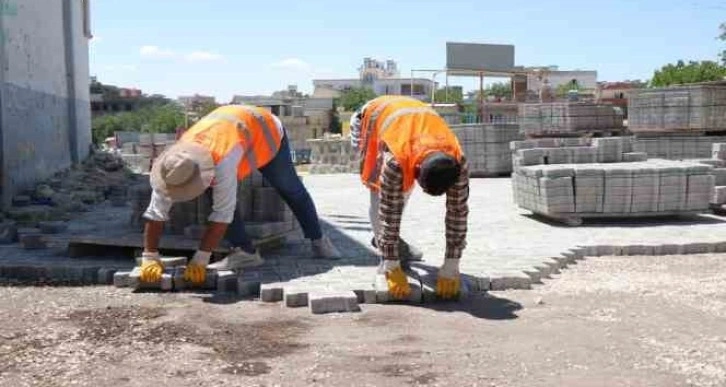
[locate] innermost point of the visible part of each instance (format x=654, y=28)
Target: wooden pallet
x=172, y=245
x=576, y=218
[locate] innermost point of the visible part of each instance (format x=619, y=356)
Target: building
x=382, y=77
x=587, y=79
x=109, y=99
x=617, y=93
x=197, y=100
x=45, y=117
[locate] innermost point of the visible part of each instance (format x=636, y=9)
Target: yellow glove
x=151, y=268
x=196, y=270
x=448, y=282
x=195, y=273
x=398, y=286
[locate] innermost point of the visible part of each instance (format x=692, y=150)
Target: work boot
x=238, y=259
x=323, y=248
x=406, y=252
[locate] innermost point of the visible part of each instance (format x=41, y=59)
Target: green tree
x=454, y=95
x=152, y=119
x=684, y=73
x=722, y=37
x=499, y=90
x=355, y=97
x=563, y=89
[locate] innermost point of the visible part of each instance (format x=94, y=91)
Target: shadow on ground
x=651, y=221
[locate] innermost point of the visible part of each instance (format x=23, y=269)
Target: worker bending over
x=403, y=141
x=224, y=147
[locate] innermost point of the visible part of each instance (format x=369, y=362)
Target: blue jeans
x=281, y=174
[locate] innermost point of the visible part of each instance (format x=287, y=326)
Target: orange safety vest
x=227, y=126
x=410, y=129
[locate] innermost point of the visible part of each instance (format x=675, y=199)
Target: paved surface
x=607, y=321
x=504, y=242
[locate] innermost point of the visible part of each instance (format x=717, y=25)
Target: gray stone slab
x=271, y=292
x=503, y=280
x=296, y=295
x=121, y=279
x=106, y=275
x=333, y=302
x=227, y=281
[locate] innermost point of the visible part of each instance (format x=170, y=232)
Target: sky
x=228, y=47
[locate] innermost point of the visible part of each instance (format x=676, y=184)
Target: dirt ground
x=608, y=321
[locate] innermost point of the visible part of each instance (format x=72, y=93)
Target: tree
x=693, y=72
x=153, y=119
x=454, y=95
x=499, y=90
x=722, y=37
x=355, y=97
x=565, y=88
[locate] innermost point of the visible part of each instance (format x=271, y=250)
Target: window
x=86, y=9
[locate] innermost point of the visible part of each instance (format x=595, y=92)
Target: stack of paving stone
x=486, y=147
x=259, y=205
x=718, y=197
x=333, y=155
x=676, y=147
x=567, y=118
x=687, y=108
x=574, y=191
x=139, y=151
x=574, y=151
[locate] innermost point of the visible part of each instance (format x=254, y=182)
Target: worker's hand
x=448, y=281
x=196, y=270
x=397, y=281
x=151, y=267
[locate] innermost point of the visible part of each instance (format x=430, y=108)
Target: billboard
x=479, y=57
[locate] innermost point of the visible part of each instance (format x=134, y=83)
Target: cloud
x=203, y=56
x=292, y=64
x=155, y=52
x=120, y=67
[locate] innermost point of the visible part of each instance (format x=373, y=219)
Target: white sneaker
x=323, y=248
x=238, y=259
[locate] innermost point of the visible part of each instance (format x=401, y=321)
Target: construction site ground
x=607, y=321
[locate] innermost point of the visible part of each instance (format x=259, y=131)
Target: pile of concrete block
x=686, y=108
x=676, y=147
x=333, y=155
x=575, y=191
x=260, y=206
x=486, y=147
x=567, y=118
x=138, y=150
x=574, y=151
x=718, y=196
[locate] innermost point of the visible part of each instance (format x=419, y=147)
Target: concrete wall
x=45, y=118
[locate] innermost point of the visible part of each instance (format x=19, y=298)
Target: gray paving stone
x=271, y=292
x=332, y=302
x=166, y=283
x=227, y=281
x=106, y=275
x=668, y=249
x=698, y=248
x=249, y=283
x=509, y=280
x=638, y=250
x=366, y=293
x=210, y=280
x=296, y=296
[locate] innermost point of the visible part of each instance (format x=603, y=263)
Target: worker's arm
x=156, y=214
x=390, y=211
x=356, y=120
x=457, y=214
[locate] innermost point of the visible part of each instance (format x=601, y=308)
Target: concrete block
x=638, y=250
x=33, y=241
x=698, y=248
x=366, y=292
x=210, y=280
x=271, y=292
x=333, y=302
x=509, y=280
x=121, y=279
x=295, y=296
x=249, y=284
x=720, y=247
x=166, y=283
x=106, y=276
x=227, y=281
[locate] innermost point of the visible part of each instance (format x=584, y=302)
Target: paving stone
x=52, y=227
x=168, y=262
x=668, y=249
x=698, y=248
x=295, y=296
x=720, y=247
x=333, y=302
x=166, y=283
x=227, y=281
x=106, y=276
x=381, y=286
x=366, y=292
x=509, y=280
x=428, y=284
x=638, y=250
x=210, y=280
x=271, y=292
x=249, y=283
x=33, y=242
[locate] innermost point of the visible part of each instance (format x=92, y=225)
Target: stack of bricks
x=678, y=109
x=574, y=151
x=486, y=147
x=567, y=118
x=139, y=155
x=637, y=188
x=677, y=147
x=718, y=196
x=333, y=155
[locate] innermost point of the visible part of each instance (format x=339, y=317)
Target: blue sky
x=226, y=47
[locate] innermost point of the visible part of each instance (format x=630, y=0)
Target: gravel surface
x=608, y=321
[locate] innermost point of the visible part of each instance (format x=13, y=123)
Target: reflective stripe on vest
x=374, y=118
